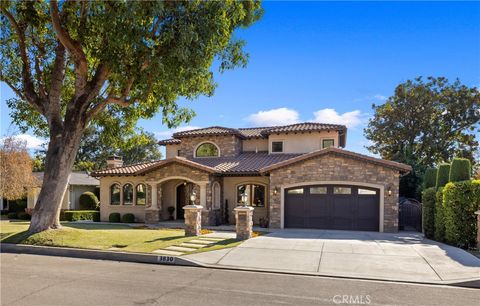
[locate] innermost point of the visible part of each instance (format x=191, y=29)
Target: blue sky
x=329, y=61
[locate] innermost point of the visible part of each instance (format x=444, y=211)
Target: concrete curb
x=97, y=254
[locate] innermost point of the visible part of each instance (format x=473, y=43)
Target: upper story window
x=277, y=146
x=207, y=149
x=327, y=143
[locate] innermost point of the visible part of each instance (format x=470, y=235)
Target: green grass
x=101, y=237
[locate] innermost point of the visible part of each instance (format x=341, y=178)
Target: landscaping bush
x=17, y=206
x=430, y=178
x=12, y=215
x=439, y=216
x=460, y=201
x=428, y=212
x=23, y=216
x=88, y=201
x=460, y=170
x=76, y=215
x=443, y=175
x=114, y=217
x=128, y=218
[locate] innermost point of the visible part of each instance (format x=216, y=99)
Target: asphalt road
x=44, y=280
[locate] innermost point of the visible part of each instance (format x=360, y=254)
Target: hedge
x=439, y=216
x=460, y=170
x=24, y=216
x=114, y=217
x=430, y=178
x=428, y=212
x=76, y=215
x=17, y=206
x=443, y=175
x=88, y=201
x=460, y=201
x=12, y=215
x=128, y=218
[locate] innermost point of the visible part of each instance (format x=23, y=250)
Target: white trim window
x=277, y=146
x=328, y=142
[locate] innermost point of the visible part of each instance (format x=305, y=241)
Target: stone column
x=152, y=213
x=244, y=222
x=478, y=228
x=193, y=219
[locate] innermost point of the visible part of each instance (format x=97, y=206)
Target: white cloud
x=329, y=115
x=277, y=116
x=33, y=143
x=169, y=133
x=380, y=97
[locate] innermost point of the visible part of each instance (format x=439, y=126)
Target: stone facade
x=229, y=145
x=193, y=220
x=244, y=222
x=334, y=167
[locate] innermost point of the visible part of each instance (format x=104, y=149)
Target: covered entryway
x=338, y=207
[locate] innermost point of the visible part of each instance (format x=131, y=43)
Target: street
x=43, y=280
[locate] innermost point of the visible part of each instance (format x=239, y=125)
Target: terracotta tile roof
x=209, y=131
x=387, y=163
x=304, y=127
x=169, y=141
x=176, y=159
x=245, y=163
x=257, y=132
x=125, y=170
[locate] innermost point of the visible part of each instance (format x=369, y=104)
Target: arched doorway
x=181, y=200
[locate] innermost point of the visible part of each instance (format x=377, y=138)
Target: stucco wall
x=171, y=150
x=106, y=208
x=302, y=143
x=230, y=193
x=32, y=197
x=250, y=145
x=337, y=168
x=75, y=192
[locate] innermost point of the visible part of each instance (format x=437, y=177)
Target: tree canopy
x=74, y=64
x=425, y=123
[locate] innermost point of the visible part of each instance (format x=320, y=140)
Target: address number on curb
x=166, y=259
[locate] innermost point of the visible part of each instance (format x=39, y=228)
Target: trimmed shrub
x=88, y=201
x=460, y=170
x=439, y=216
x=460, y=201
x=428, y=212
x=128, y=218
x=443, y=175
x=17, y=206
x=430, y=178
x=12, y=215
x=77, y=215
x=114, y=217
x=23, y=216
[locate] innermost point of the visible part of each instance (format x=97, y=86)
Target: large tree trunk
x=61, y=153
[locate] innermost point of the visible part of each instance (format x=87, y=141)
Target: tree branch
x=73, y=47
x=30, y=94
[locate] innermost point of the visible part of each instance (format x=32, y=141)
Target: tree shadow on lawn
x=93, y=226
x=165, y=239
x=15, y=238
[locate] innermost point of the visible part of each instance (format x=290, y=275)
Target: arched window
x=216, y=195
x=207, y=149
x=127, y=194
x=115, y=194
x=141, y=194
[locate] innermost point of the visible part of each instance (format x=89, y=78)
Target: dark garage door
x=332, y=207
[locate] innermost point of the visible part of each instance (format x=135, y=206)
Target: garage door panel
x=341, y=208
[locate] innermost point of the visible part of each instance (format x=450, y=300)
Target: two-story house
x=296, y=176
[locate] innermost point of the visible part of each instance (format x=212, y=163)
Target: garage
x=337, y=207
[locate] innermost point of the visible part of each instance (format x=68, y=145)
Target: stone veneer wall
x=337, y=168
x=229, y=145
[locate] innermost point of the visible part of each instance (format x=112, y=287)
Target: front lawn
x=100, y=237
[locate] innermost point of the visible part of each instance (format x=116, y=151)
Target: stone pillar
x=152, y=213
x=244, y=222
x=478, y=228
x=193, y=219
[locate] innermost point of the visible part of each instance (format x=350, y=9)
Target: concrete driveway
x=401, y=257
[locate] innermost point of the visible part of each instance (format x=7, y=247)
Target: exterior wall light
x=275, y=190
x=244, y=199
x=389, y=191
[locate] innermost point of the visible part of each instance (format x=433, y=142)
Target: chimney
x=114, y=161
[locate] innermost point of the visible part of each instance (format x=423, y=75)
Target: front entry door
x=181, y=201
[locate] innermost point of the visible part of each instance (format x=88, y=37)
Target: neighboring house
x=78, y=183
x=294, y=176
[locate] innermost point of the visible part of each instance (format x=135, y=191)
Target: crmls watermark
x=352, y=299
